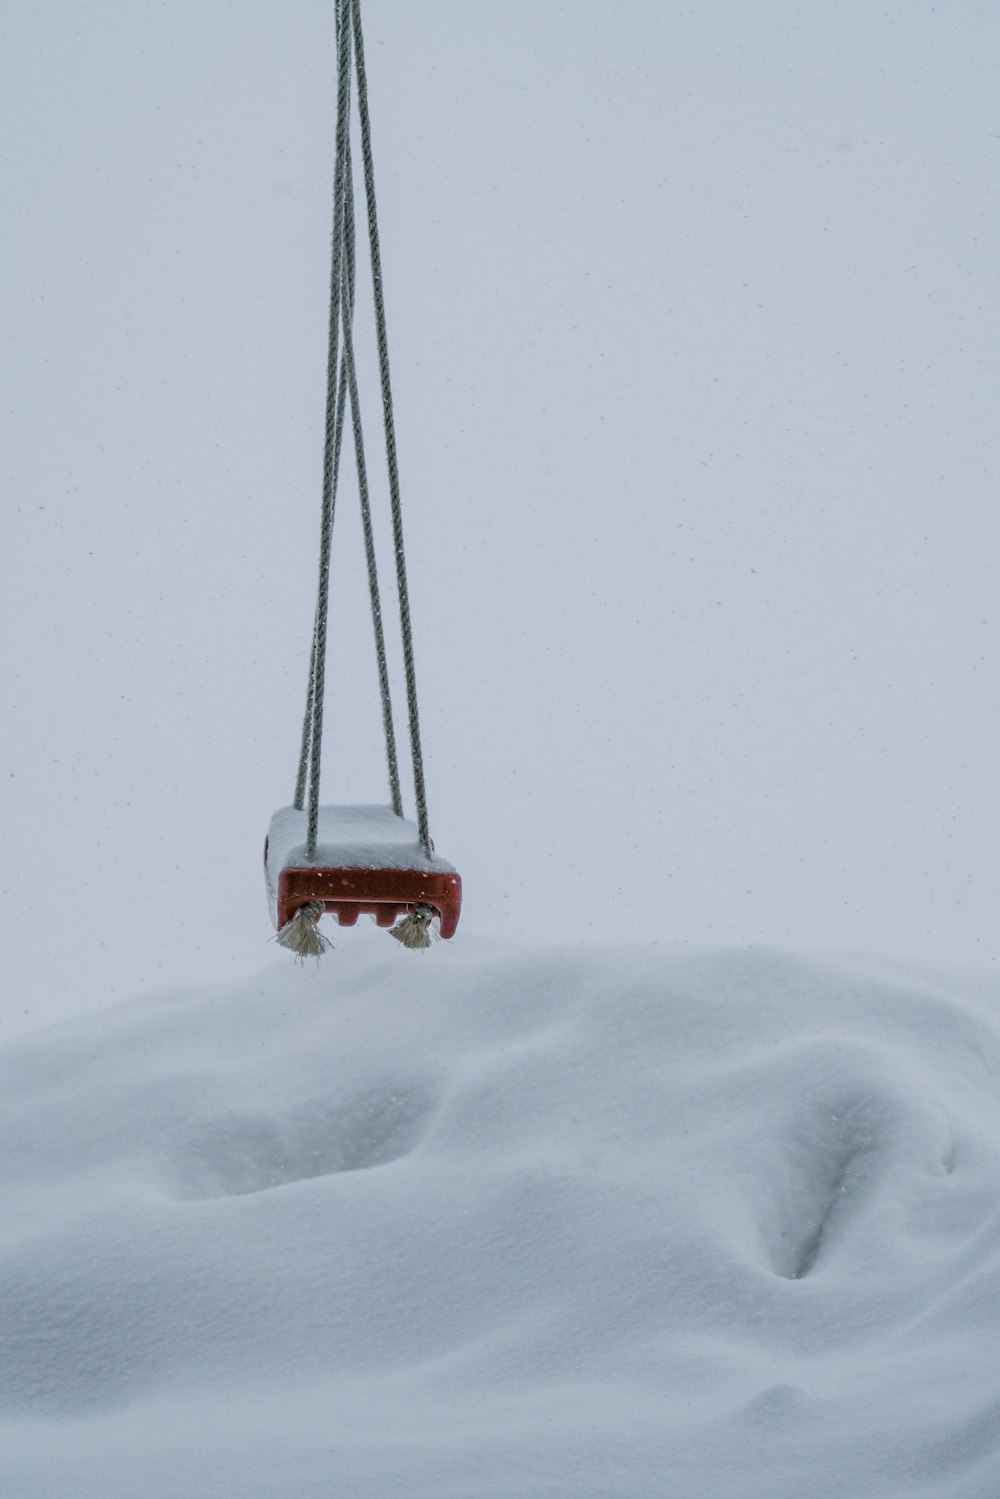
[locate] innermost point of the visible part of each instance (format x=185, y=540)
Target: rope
x=329, y=441
x=347, y=303
x=341, y=382
x=390, y=434
x=307, y=722
x=326, y=521
x=395, y=794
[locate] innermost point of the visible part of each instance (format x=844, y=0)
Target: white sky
x=694, y=325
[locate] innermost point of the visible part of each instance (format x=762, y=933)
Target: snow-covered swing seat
x=368, y=861
x=350, y=861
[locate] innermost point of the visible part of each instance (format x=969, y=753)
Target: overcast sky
x=693, y=318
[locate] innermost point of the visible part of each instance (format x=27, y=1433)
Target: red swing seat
x=368, y=862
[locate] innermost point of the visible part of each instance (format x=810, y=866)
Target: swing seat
x=368, y=861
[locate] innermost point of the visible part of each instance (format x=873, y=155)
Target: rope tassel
x=415, y=929
x=302, y=935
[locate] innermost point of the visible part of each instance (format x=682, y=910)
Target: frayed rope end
x=302, y=935
x=414, y=931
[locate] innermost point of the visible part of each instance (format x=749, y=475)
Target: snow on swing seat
x=367, y=861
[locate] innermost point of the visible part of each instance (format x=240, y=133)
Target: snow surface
x=577, y=1222
x=364, y=837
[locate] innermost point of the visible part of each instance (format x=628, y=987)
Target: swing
x=356, y=860
x=367, y=861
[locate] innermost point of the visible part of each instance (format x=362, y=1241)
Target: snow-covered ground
x=611, y=1221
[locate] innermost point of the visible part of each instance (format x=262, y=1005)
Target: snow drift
x=569, y=1222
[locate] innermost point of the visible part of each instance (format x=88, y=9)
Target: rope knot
x=301, y=935
x=414, y=930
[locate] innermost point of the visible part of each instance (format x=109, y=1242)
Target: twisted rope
x=395, y=793
x=329, y=439
x=341, y=382
x=390, y=433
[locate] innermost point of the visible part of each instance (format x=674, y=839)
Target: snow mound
x=567, y=1222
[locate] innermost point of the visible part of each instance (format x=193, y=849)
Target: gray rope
x=307, y=722
x=390, y=434
x=395, y=793
x=348, y=300
x=326, y=538
x=329, y=442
